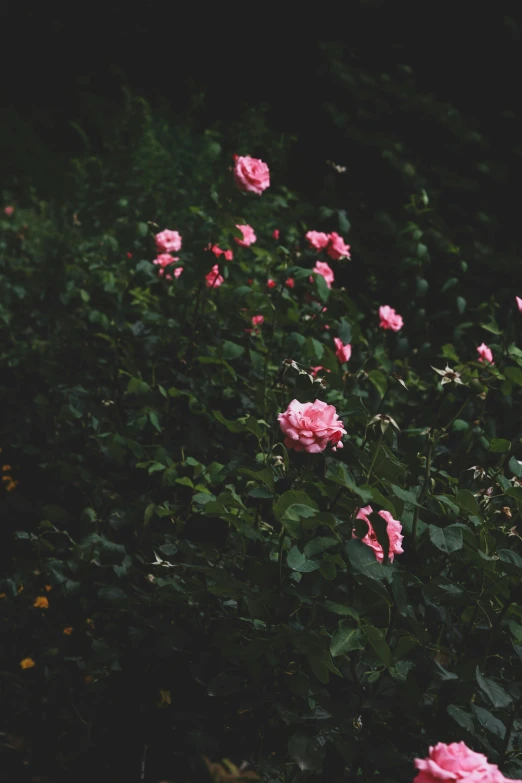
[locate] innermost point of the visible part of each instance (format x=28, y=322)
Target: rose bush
x=224, y=579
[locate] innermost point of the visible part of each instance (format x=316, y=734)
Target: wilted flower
x=384, y=421
x=478, y=472
x=448, y=375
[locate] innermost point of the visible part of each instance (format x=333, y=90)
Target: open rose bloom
x=168, y=241
x=248, y=236
x=311, y=426
x=323, y=269
x=251, y=174
x=390, y=319
x=337, y=248
x=317, y=240
x=214, y=279
x=393, y=528
x=455, y=762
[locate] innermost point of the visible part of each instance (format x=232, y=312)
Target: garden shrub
x=177, y=578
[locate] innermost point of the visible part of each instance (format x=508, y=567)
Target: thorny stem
x=424, y=490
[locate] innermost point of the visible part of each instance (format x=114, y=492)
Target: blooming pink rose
x=290, y=282
x=485, y=354
x=315, y=370
x=216, y=250
x=9, y=211
x=337, y=248
x=317, y=240
x=343, y=352
x=177, y=271
x=214, y=279
x=228, y=255
x=168, y=240
x=251, y=174
x=164, y=260
x=322, y=268
x=310, y=426
x=275, y=234
x=455, y=762
x=257, y=320
x=519, y=303
x=393, y=527
x=390, y=319
x=248, y=236
x=271, y=283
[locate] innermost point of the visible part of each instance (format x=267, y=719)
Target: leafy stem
x=424, y=490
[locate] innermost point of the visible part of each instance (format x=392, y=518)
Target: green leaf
x=345, y=330
x=447, y=539
x=379, y=643
x=338, y=473
x=490, y=723
x=322, y=288
x=362, y=559
x=380, y=527
x=290, y=498
x=468, y=502
x=153, y=416
x=231, y=350
x=318, y=545
x=514, y=374
x=462, y=718
x=508, y=556
x=346, y=638
x=295, y=558
x=232, y=426
x=379, y=381
x=515, y=492
x=143, y=229
x=492, y=327
x=404, y=494
x=515, y=467
x=307, y=753
x=496, y=695
x=499, y=445
x=112, y=594
x=265, y=475
x=335, y=608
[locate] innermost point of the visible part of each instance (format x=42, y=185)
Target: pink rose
x=315, y=370
x=251, y=174
x=485, y=354
x=257, y=320
x=390, y=319
x=343, y=352
x=317, y=240
x=393, y=527
x=248, y=236
x=271, y=283
x=455, y=762
x=216, y=250
x=519, y=303
x=164, y=260
x=168, y=240
x=322, y=268
x=310, y=426
x=275, y=234
x=9, y=211
x=228, y=255
x=214, y=279
x=290, y=282
x=337, y=248
x=178, y=270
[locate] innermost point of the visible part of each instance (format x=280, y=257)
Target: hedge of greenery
x=178, y=578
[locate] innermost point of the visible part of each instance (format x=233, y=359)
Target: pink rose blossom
x=390, y=319
x=519, y=303
x=343, y=352
x=228, y=255
x=317, y=240
x=248, y=236
x=322, y=268
x=456, y=762
x=275, y=234
x=216, y=250
x=326, y=326
x=251, y=174
x=337, y=248
x=257, y=320
x=290, y=282
x=9, y=211
x=167, y=241
x=485, y=354
x=310, y=426
x=393, y=527
x=315, y=370
x=214, y=279
x=271, y=283
x=177, y=271
x=164, y=260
